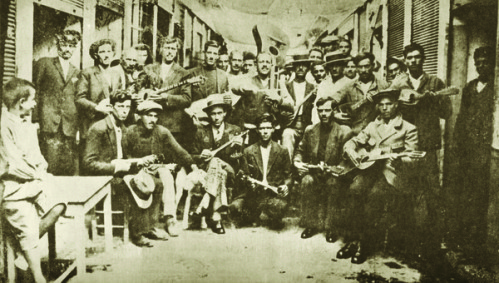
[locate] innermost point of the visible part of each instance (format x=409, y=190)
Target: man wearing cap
x=165, y=73
x=303, y=94
x=95, y=85
x=220, y=168
x=55, y=80
x=268, y=162
x=373, y=187
x=322, y=194
x=148, y=140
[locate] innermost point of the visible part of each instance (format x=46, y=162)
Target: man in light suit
x=166, y=73
x=55, y=80
x=372, y=187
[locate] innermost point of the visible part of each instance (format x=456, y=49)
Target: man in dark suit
x=95, y=85
x=55, y=79
x=221, y=167
x=322, y=194
x=268, y=162
x=166, y=73
x=303, y=96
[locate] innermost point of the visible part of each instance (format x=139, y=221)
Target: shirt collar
x=222, y=128
x=13, y=118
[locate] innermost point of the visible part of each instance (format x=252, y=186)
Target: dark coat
x=216, y=82
x=173, y=116
x=101, y=148
x=427, y=113
x=55, y=96
x=278, y=169
x=308, y=148
x=307, y=105
x=91, y=89
x=204, y=140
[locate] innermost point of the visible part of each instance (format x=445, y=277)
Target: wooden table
x=82, y=194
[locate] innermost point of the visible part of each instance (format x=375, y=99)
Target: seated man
x=266, y=162
x=322, y=192
x=28, y=191
x=148, y=140
x=374, y=186
x=219, y=167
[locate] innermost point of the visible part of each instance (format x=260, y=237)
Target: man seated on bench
x=30, y=205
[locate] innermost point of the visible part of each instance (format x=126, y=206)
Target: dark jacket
x=173, y=116
x=278, y=169
x=427, y=113
x=204, y=140
x=308, y=148
x=55, y=96
x=216, y=82
x=307, y=105
x=101, y=148
x=91, y=89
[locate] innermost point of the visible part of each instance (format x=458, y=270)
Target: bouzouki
x=232, y=140
x=291, y=119
x=260, y=183
x=149, y=94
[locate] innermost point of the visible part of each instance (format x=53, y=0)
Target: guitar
x=367, y=159
x=149, y=94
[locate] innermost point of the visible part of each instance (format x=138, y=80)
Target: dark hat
x=148, y=105
x=265, y=117
x=141, y=186
x=335, y=57
x=393, y=94
x=216, y=100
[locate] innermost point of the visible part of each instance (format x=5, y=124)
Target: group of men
x=312, y=136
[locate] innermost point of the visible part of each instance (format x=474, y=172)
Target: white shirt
x=265, y=160
x=415, y=82
x=65, y=67
x=165, y=69
x=218, y=133
x=480, y=86
x=299, y=89
x=265, y=82
x=365, y=87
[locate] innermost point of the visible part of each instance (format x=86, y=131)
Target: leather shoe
x=157, y=234
x=143, y=242
x=217, y=227
x=171, y=227
x=307, y=233
x=360, y=255
x=347, y=251
x=331, y=237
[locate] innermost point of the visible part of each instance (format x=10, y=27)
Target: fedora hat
x=217, y=100
x=335, y=57
x=141, y=186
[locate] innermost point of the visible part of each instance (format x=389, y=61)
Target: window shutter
x=425, y=31
x=9, y=67
x=395, y=28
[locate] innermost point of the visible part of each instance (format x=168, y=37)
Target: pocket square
x=74, y=80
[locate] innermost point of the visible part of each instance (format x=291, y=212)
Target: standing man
x=128, y=66
x=249, y=65
x=344, y=46
x=55, y=79
x=426, y=116
x=95, y=85
x=268, y=162
x=315, y=55
x=318, y=72
x=350, y=70
x=223, y=62
x=322, y=194
x=166, y=73
x=236, y=63
x=394, y=67
x=216, y=79
x=301, y=92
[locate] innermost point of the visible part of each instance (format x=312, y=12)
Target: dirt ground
x=241, y=255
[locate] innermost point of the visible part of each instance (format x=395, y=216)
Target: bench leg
x=52, y=250
x=81, y=234
x=187, y=207
x=11, y=257
x=108, y=224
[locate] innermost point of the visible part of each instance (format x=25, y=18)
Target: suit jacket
x=352, y=93
x=101, y=148
x=92, y=87
x=173, y=116
x=308, y=105
x=56, y=96
x=278, y=169
x=205, y=140
x=400, y=136
x=427, y=113
x=216, y=82
x=308, y=147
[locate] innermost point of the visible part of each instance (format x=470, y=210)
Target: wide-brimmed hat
x=335, y=57
x=301, y=58
x=147, y=106
x=141, y=186
x=217, y=100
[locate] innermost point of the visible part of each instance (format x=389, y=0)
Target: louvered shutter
x=425, y=31
x=395, y=28
x=9, y=67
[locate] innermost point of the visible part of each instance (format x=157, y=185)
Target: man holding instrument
x=212, y=151
x=165, y=73
x=322, y=193
x=374, y=186
x=267, y=168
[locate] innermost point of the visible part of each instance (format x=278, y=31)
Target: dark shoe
x=217, y=227
x=143, y=242
x=360, y=255
x=331, y=237
x=308, y=232
x=347, y=251
x=157, y=234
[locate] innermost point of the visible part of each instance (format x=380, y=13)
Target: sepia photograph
x=249, y=141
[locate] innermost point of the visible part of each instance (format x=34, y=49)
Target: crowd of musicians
x=358, y=153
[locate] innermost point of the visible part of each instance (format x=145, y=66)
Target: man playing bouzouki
x=372, y=187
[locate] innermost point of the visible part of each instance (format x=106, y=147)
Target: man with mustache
x=128, y=66
x=236, y=63
x=55, y=79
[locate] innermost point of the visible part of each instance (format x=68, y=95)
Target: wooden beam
x=127, y=25
x=24, y=38
x=154, y=31
x=89, y=9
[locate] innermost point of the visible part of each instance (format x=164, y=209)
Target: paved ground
x=241, y=255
